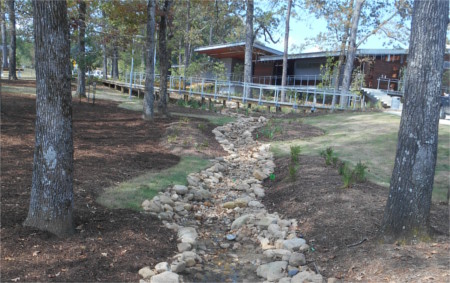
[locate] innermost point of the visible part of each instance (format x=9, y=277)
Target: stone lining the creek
x=225, y=234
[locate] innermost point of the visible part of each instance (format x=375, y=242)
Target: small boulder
x=165, y=277
x=146, y=272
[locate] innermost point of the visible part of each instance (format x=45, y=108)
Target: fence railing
x=262, y=94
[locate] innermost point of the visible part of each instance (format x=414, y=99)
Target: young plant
x=360, y=172
x=292, y=171
x=347, y=175
x=329, y=156
x=295, y=154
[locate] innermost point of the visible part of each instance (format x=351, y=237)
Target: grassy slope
x=371, y=138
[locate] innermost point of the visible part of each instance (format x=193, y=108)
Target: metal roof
x=223, y=50
x=360, y=52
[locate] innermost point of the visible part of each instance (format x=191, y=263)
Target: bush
x=360, y=172
x=329, y=156
x=295, y=152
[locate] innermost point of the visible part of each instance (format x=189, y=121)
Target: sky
x=309, y=27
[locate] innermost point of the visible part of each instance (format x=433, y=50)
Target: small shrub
x=347, y=175
x=194, y=104
x=292, y=171
x=203, y=106
x=329, y=156
x=360, y=172
x=246, y=111
x=172, y=138
x=181, y=102
x=295, y=153
x=185, y=120
x=201, y=126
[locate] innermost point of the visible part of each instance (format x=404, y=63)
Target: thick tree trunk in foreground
x=12, y=41
x=149, y=97
x=407, y=211
x=4, y=40
x=81, y=83
x=51, y=202
x=351, y=52
x=285, y=54
x=248, y=46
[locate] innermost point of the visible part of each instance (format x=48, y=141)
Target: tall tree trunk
x=164, y=55
x=285, y=54
x=351, y=52
x=105, y=57
x=51, y=202
x=12, y=42
x=408, y=206
x=248, y=47
x=187, y=38
x=4, y=40
x=81, y=83
x=149, y=97
x=3, y=50
x=340, y=65
x=115, y=62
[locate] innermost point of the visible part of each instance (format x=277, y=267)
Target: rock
x=187, y=235
x=293, y=244
x=277, y=253
x=272, y=271
x=258, y=174
x=234, y=204
x=265, y=244
x=167, y=207
x=297, y=259
x=285, y=280
x=182, y=247
x=231, y=237
x=201, y=194
x=161, y=267
x=193, y=180
x=307, y=276
x=168, y=215
x=242, y=187
x=146, y=272
x=180, y=189
x=151, y=206
x=165, y=277
x=240, y=221
x=255, y=203
x=224, y=245
x=303, y=248
x=332, y=280
x=266, y=221
x=166, y=200
x=178, y=266
x=293, y=272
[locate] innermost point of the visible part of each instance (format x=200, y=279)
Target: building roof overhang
x=236, y=51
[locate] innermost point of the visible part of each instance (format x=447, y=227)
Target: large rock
x=277, y=253
x=178, y=266
x=258, y=174
x=146, y=272
x=165, y=277
x=272, y=271
x=306, y=276
x=265, y=221
x=161, y=267
x=293, y=244
x=180, y=189
x=166, y=200
x=240, y=221
x=297, y=259
x=201, y=194
x=152, y=206
x=193, y=180
x=187, y=235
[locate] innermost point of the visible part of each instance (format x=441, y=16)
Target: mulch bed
x=332, y=219
x=111, y=145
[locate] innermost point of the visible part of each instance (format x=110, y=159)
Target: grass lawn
x=132, y=193
x=372, y=139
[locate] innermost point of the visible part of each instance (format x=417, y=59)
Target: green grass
x=371, y=138
x=20, y=90
x=132, y=193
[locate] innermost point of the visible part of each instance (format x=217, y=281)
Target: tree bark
x=105, y=57
x=4, y=40
x=248, y=47
x=81, y=83
x=187, y=40
x=351, y=52
x=407, y=211
x=149, y=97
x=51, y=202
x=12, y=41
x=164, y=55
x=115, y=63
x=285, y=54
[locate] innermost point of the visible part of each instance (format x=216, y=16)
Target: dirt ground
x=111, y=145
x=332, y=219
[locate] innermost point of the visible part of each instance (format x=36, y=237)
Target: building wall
x=385, y=67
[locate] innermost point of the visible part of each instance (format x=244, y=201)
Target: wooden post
x=203, y=101
x=237, y=105
x=249, y=105
x=224, y=103
x=186, y=98
x=268, y=108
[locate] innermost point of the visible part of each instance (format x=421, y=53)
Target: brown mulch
x=111, y=145
x=332, y=219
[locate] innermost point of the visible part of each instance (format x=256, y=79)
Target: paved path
x=225, y=234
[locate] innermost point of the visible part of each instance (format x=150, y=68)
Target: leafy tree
x=407, y=211
x=51, y=202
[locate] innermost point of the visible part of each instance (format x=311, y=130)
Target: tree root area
x=111, y=145
x=341, y=226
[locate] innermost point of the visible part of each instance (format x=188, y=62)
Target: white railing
x=263, y=94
